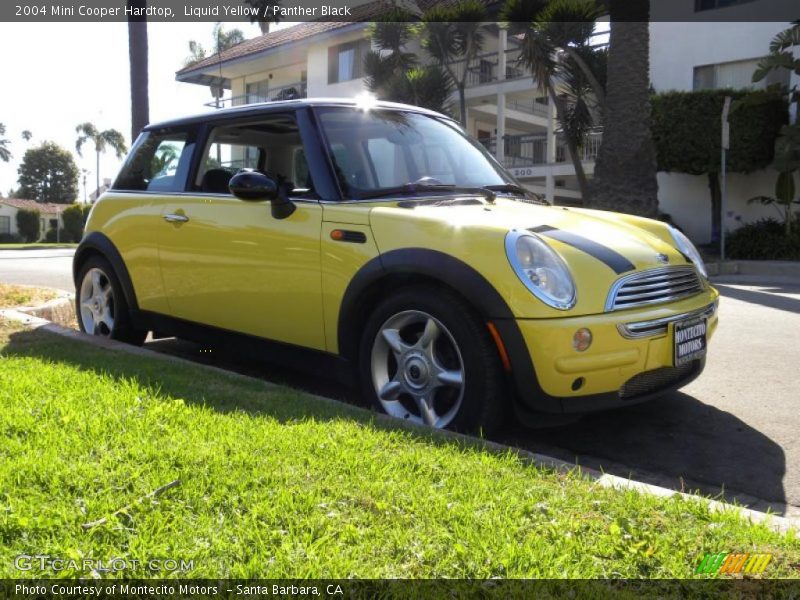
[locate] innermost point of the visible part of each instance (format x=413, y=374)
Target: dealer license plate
x=690, y=341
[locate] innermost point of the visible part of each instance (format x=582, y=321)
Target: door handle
x=173, y=218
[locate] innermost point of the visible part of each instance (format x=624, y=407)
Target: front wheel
x=100, y=304
x=426, y=357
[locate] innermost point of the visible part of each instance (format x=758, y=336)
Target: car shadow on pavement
x=767, y=296
x=676, y=442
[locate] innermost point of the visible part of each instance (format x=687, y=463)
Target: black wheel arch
x=98, y=244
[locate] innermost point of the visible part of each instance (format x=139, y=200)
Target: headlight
x=541, y=269
x=686, y=247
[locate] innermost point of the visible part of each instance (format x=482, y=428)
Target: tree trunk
x=97, y=192
x=137, y=51
x=625, y=170
x=462, y=104
x=572, y=146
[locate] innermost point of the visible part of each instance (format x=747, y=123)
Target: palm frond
x=569, y=22
x=786, y=39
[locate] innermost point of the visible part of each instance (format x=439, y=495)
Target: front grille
x=654, y=286
x=657, y=379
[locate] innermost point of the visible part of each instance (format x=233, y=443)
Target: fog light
x=582, y=339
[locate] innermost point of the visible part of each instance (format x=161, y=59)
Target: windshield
x=383, y=150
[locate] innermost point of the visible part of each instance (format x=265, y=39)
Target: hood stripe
x=613, y=259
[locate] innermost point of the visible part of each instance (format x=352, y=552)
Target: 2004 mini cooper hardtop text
x=381, y=240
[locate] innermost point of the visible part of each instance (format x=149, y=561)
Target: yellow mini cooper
x=380, y=243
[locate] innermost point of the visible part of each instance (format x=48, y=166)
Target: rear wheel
x=100, y=304
x=426, y=357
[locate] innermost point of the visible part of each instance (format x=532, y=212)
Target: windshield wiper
x=511, y=188
x=411, y=189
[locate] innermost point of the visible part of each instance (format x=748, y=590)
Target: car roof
x=277, y=105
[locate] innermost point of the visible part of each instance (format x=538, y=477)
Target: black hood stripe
x=613, y=259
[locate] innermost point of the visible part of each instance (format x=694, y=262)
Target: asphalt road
x=733, y=432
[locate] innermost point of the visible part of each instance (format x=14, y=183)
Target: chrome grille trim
x=641, y=329
x=654, y=286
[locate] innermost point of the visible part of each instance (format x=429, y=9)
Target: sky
x=56, y=76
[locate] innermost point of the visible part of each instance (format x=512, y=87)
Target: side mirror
x=253, y=186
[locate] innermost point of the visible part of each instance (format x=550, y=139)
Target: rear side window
x=158, y=163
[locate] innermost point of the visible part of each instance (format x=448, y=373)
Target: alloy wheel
x=97, y=303
x=417, y=369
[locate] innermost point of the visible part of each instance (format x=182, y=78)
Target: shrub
x=10, y=238
x=28, y=224
x=764, y=240
x=63, y=236
x=74, y=220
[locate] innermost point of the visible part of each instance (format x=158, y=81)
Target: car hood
x=599, y=246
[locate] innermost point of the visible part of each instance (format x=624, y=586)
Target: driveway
x=733, y=432
x=51, y=267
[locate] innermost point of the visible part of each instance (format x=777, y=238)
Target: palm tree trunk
x=597, y=88
x=97, y=173
x=137, y=51
x=625, y=170
x=572, y=146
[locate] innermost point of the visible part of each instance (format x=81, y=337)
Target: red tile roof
x=359, y=14
x=42, y=207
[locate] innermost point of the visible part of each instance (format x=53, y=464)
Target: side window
x=271, y=146
x=157, y=163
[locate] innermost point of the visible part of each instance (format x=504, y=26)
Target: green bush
x=28, y=224
x=764, y=240
x=63, y=236
x=74, y=220
x=10, y=238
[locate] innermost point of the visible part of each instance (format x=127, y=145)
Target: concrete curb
x=757, y=271
x=774, y=522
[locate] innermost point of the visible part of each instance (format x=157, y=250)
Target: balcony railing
x=531, y=149
x=292, y=91
x=484, y=68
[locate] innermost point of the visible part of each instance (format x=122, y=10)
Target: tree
x=222, y=40
x=555, y=47
x=267, y=13
x=137, y=55
x=28, y=224
x=5, y=153
x=453, y=36
x=625, y=169
x=48, y=174
x=395, y=74
x=74, y=220
x=686, y=129
x=101, y=139
x=27, y=135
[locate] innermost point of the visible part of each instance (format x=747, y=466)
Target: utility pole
x=726, y=144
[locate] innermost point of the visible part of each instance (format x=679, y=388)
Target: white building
x=323, y=59
x=49, y=215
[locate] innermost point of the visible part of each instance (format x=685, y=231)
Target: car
x=379, y=242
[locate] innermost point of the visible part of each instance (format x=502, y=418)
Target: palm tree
x=266, y=13
x=137, y=52
x=453, y=36
x=101, y=139
x=394, y=74
x=27, y=135
x=222, y=41
x=555, y=47
x=5, y=153
x=625, y=170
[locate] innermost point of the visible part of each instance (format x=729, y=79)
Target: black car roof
x=273, y=106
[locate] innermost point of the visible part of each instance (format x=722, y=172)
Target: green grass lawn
x=275, y=483
x=36, y=246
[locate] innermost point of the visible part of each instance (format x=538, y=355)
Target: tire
x=398, y=333
x=100, y=305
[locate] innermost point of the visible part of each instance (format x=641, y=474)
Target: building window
x=5, y=225
x=736, y=75
x=701, y=5
x=258, y=91
x=346, y=61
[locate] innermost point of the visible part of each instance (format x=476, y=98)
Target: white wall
x=675, y=49
x=11, y=212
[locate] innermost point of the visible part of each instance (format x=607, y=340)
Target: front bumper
x=630, y=359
